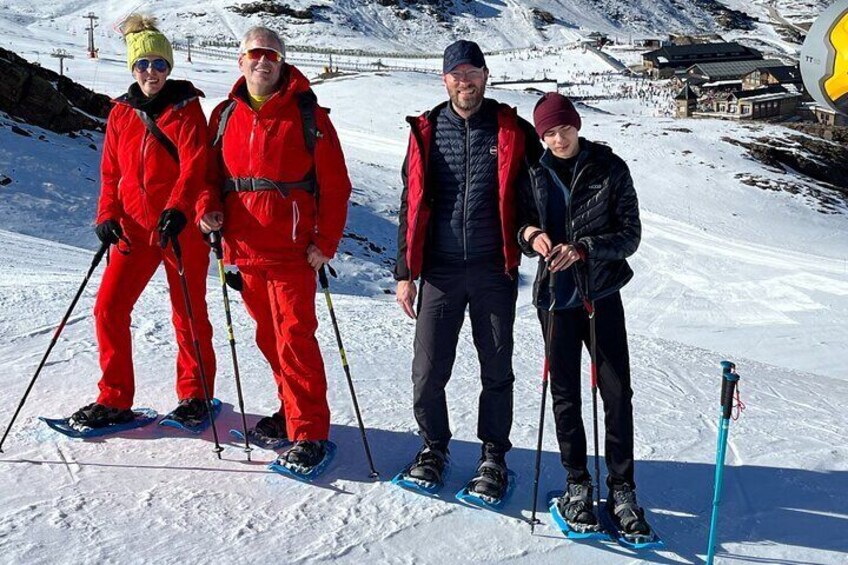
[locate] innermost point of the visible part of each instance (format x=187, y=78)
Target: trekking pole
x=215, y=240
x=325, y=285
x=549, y=335
x=94, y=262
x=729, y=382
x=593, y=353
x=175, y=245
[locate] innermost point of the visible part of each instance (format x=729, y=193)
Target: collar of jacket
x=292, y=82
x=175, y=93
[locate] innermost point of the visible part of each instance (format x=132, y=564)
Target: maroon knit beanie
x=553, y=109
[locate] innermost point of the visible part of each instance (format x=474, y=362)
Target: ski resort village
x=424, y=281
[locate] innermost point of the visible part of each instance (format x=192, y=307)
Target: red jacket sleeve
x=333, y=186
x=108, y=205
x=193, y=151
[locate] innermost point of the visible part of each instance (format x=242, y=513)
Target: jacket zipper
x=465, y=194
x=295, y=219
x=141, y=186
x=570, y=234
x=250, y=143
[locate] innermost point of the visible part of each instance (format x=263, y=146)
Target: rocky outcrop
x=42, y=98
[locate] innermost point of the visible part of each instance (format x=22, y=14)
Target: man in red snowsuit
x=264, y=194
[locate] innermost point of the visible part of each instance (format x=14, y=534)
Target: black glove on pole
x=94, y=262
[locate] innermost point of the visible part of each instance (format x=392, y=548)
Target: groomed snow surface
x=725, y=271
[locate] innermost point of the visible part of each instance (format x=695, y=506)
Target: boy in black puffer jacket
x=583, y=222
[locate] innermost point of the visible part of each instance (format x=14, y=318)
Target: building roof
x=731, y=69
x=686, y=94
x=681, y=54
x=759, y=92
x=784, y=73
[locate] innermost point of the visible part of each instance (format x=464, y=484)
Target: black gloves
x=108, y=232
x=171, y=223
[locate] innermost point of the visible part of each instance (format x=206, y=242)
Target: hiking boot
x=491, y=480
x=305, y=455
x=99, y=416
x=575, y=506
x=271, y=427
x=190, y=412
x=629, y=518
x=429, y=466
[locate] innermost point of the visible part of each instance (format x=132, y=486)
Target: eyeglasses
x=257, y=53
x=471, y=75
x=159, y=65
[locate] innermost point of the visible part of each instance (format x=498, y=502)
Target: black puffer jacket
x=464, y=174
x=603, y=217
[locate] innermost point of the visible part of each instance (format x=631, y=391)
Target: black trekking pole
x=175, y=245
x=94, y=262
x=215, y=240
x=325, y=285
x=549, y=336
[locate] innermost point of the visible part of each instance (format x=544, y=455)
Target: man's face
x=261, y=64
x=466, y=86
x=563, y=141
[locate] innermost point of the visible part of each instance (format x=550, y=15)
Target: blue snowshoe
x=191, y=415
x=305, y=460
x=97, y=420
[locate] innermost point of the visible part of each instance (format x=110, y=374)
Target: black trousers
x=490, y=295
x=570, y=332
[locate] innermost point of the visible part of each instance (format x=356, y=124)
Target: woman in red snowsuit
x=148, y=194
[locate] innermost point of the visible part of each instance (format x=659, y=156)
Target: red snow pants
x=125, y=278
x=282, y=301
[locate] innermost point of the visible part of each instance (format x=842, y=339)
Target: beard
x=469, y=101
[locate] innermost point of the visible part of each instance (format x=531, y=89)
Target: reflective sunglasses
x=257, y=53
x=159, y=65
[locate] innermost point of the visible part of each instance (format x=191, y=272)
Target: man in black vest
x=458, y=221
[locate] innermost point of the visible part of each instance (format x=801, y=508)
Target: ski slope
x=725, y=270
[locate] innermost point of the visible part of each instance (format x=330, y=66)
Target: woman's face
x=150, y=72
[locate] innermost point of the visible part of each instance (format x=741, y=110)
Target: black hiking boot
x=575, y=506
x=628, y=517
x=190, y=412
x=491, y=480
x=99, y=416
x=271, y=428
x=304, y=455
x=429, y=467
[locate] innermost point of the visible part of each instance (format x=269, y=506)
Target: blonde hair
x=138, y=22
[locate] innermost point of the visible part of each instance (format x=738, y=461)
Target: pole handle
x=215, y=243
x=729, y=380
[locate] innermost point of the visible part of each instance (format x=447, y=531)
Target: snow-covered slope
x=404, y=26
x=724, y=270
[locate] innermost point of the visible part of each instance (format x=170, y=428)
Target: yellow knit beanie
x=143, y=39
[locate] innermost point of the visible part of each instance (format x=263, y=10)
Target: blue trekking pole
x=729, y=381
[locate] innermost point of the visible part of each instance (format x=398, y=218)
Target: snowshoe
x=627, y=520
x=269, y=432
x=191, y=415
x=574, y=514
x=305, y=460
x=491, y=487
x=427, y=474
x=76, y=428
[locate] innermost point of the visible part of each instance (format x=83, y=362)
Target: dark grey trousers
x=490, y=295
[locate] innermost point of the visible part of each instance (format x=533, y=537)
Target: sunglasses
x=257, y=53
x=158, y=65
x=471, y=75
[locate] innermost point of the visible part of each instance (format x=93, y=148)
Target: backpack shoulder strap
x=156, y=132
x=222, y=121
x=306, y=103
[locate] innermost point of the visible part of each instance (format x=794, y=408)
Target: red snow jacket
x=266, y=227
x=139, y=178
x=414, y=216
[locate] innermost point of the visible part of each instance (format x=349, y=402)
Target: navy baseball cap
x=462, y=52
